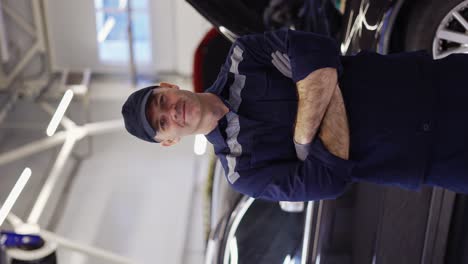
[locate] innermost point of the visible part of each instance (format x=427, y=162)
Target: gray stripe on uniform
x=235, y=91
x=239, y=79
x=232, y=132
x=233, y=127
x=233, y=175
x=236, y=58
x=282, y=63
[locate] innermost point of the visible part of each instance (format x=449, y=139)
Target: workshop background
x=71, y=174
x=114, y=191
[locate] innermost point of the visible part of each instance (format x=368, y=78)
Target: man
x=406, y=115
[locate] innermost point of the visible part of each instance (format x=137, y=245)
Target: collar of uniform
x=217, y=136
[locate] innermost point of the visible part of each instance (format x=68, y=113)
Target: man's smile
x=180, y=110
x=183, y=112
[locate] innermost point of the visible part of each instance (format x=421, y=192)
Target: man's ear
x=170, y=142
x=169, y=85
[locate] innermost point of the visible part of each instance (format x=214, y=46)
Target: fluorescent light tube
x=66, y=99
x=200, y=145
x=15, y=192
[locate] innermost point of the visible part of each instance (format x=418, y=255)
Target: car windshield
x=265, y=234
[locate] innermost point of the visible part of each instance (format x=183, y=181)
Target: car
x=438, y=27
x=369, y=223
x=248, y=230
x=384, y=26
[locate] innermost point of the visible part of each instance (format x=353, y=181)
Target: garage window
x=111, y=26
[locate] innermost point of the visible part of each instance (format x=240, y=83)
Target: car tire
x=423, y=23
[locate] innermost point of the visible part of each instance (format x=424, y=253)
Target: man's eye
x=162, y=99
x=162, y=124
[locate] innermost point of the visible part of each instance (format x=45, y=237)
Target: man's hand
x=314, y=95
x=334, y=130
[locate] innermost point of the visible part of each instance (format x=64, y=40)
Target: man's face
x=173, y=113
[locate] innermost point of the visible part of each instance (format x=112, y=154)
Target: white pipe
x=103, y=127
x=21, y=65
x=14, y=194
x=92, y=251
x=51, y=181
x=18, y=19
x=38, y=46
x=38, y=24
x=14, y=221
x=131, y=50
x=33, y=147
x=3, y=37
x=59, y=137
x=60, y=112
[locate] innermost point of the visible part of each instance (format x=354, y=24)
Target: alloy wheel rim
x=452, y=33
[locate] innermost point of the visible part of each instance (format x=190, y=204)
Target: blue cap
x=134, y=114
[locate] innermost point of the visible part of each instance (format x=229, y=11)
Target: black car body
x=246, y=230
x=383, y=26
x=370, y=223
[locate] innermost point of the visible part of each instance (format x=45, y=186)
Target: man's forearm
x=334, y=130
x=314, y=95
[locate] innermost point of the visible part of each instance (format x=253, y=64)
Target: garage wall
x=71, y=28
x=180, y=28
x=177, y=29
x=190, y=29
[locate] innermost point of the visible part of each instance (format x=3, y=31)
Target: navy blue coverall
x=406, y=112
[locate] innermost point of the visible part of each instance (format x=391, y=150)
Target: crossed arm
x=321, y=108
x=311, y=61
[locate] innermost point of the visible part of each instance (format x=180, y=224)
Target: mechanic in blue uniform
x=406, y=113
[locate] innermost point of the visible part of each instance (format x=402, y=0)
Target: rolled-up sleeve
x=320, y=176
